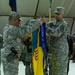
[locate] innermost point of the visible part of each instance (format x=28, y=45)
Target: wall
x=4, y=21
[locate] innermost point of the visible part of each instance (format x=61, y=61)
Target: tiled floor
x=22, y=69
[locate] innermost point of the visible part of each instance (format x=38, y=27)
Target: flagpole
x=50, y=1
x=49, y=14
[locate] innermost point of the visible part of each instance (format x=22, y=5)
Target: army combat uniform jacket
x=12, y=37
x=58, y=52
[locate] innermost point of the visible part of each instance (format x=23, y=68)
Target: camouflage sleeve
x=58, y=31
x=32, y=25
x=19, y=32
x=25, y=29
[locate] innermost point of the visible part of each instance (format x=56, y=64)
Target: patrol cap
x=14, y=15
x=59, y=10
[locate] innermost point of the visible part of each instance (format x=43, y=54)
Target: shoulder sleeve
x=18, y=32
x=58, y=31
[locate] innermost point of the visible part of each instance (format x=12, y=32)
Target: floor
x=22, y=69
x=72, y=68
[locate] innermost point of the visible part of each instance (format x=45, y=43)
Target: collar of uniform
x=58, y=23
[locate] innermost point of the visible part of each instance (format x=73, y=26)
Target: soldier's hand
x=43, y=19
x=28, y=36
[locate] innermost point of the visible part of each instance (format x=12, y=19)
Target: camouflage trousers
x=28, y=64
x=58, y=63
x=28, y=69
x=10, y=68
x=26, y=58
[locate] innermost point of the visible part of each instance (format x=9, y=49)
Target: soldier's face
x=58, y=17
x=16, y=22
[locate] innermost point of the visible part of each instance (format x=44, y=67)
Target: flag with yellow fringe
x=39, y=50
x=12, y=5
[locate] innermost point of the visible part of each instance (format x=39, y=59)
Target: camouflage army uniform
x=58, y=52
x=12, y=36
x=26, y=58
x=31, y=25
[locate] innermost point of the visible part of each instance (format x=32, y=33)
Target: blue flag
x=43, y=36
x=12, y=4
x=43, y=44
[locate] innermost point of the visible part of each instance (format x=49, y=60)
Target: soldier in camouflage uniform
x=13, y=34
x=58, y=52
x=26, y=56
x=58, y=44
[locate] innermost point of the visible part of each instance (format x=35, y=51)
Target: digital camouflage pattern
x=26, y=57
x=12, y=37
x=58, y=51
